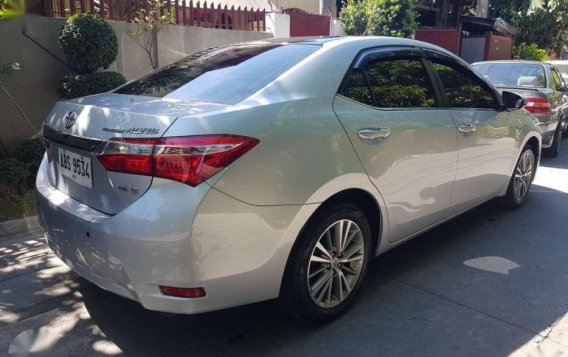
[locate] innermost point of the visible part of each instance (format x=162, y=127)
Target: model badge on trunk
x=133, y=130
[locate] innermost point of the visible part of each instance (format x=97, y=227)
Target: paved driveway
x=491, y=283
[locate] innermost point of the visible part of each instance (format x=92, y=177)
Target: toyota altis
x=275, y=169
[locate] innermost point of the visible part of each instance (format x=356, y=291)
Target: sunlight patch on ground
x=551, y=342
x=106, y=347
x=492, y=264
x=551, y=178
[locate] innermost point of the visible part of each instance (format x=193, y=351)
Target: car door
x=486, y=144
x=407, y=143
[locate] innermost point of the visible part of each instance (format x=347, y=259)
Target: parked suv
x=544, y=89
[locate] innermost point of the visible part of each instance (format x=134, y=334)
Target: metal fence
x=186, y=13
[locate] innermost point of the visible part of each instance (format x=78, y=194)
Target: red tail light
x=190, y=293
x=538, y=105
x=191, y=159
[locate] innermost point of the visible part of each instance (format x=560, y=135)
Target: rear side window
x=463, y=89
x=556, y=79
x=392, y=83
x=226, y=75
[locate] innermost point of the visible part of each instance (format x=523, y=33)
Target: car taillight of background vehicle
x=189, y=159
x=538, y=105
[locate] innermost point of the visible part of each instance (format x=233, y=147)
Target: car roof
x=365, y=41
x=511, y=61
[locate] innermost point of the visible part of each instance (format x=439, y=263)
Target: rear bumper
x=174, y=235
x=547, y=128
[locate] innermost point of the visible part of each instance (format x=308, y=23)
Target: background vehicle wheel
x=554, y=150
x=565, y=129
x=520, y=184
x=328, y=263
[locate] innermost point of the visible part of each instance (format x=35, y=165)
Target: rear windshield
x=226, y=75
x=513, y=74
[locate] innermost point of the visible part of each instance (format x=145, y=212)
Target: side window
x=556, y=79
x=464, y=89
x=355, y=88
x=400, y=83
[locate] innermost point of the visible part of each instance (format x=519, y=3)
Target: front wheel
x=519, y=186
x=328, y=263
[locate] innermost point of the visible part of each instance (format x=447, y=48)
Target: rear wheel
x=327, y=265
x=519, y=186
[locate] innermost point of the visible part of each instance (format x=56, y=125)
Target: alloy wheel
x=336, y=263
x=523, y=175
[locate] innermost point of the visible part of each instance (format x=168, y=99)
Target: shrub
x=88, y=43
x=531, y=52
x=31, y=153
x=13, y=172
x=80, y=85
x=379, y=18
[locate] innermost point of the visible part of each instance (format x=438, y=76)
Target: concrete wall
x=32, y=41
x=174, y=42
x=34, y=86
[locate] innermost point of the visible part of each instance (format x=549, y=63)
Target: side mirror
x=513, y=100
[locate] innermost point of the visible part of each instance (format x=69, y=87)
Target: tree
x=149, y=22
x=379, y=18
x=88, y=43
x=530, y=52
x=545, y=26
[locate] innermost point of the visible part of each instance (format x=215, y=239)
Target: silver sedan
x=275, y=169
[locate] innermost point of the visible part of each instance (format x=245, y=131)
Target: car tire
x=554, y=149
x=523, y=175
x=320, y=297
x=565, y=129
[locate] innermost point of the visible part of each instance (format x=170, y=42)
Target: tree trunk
x=155, y=64
x=482, y=8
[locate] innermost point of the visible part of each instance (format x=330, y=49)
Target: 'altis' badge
x=133, y=130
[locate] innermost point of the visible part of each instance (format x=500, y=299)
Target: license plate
x=76, y=167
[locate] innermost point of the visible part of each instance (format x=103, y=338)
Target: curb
x=17, y=226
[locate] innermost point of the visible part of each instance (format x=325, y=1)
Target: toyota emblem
x=70, y=119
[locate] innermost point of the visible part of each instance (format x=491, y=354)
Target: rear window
x=226, y=75
x=513, y=74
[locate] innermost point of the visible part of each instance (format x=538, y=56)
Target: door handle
x=467, y=128
x=369, y=134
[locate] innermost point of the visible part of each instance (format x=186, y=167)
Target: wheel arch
x=361, y=198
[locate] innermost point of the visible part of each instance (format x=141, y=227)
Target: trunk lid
x=78, y=129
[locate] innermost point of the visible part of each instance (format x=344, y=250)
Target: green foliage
x=11, y=8
x=545, y=26
x=88, y=43
x=80, y=85
x=530, y=52
x=31, y=153
x=13, y=172
x=379, y=17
